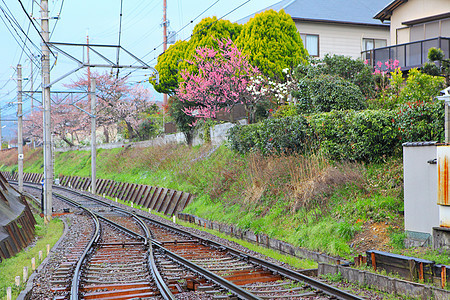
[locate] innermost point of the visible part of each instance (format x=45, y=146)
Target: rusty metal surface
x=443, y=153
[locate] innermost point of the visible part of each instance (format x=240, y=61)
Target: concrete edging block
x=412, y=289
x=324, y=269
x=353, y=275
x=380, y=282
x=440, y=294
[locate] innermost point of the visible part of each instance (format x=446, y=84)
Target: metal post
x=48, y=170
x=19, y=128
x=1, y=130
x=447, y=111
x=32, y=93
x=93, y=139
x=164, y=44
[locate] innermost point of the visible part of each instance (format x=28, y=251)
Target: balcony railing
x=410, y=55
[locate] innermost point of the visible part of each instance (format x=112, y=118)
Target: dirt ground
x=374, y=236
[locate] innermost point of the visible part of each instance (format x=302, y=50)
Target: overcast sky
x=141, y=34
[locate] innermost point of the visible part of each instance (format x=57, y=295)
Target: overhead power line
x=37, y=30
x=11, y=20
x=192, y=21
x=57, y=18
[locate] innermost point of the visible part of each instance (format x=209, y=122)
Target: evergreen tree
x=272, y=42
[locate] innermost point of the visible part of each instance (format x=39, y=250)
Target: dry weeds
x=303, y=181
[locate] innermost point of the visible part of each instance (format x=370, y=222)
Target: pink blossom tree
x=224, y=78
x=65, y=119
x=117, y=102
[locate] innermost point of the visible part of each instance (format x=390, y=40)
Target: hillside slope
x=338, y=208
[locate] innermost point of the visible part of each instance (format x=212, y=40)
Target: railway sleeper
x=115, y=287
x=122, y=294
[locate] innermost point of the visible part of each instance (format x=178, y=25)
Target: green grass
x=12, y=267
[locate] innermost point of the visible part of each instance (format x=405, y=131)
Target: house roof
x=386, y=12
x=335, y=11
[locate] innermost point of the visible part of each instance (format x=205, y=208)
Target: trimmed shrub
x=353, y=70
x=280, y=135
x=368, y=135
x=324, y=93
x=419, y=121
x=356, y=136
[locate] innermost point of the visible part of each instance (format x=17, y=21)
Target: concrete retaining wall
x=384, y=283
x=218, y=136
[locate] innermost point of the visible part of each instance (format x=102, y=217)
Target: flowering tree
x=116, y=102
x=224, y=78
x=65, y=120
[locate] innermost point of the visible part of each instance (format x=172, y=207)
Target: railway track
x=131, y=246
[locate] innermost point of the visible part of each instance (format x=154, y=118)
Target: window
x=311, y=43
x=369, y=44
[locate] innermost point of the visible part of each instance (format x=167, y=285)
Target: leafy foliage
x=184, y=122
x=168, y=67
x=421, y=87
x=369, y=135
x=353, y=70
x=421, y=121
x=284, y=135
x=272, y=42
x=361, y=136
x=323, y=93
x=437, y=55
x=176, y=59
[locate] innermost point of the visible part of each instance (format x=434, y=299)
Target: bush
x=421, y=87
x=356, y=136
x=353, y=70
x=284, y=135
x=369, y=135
x=421, y=121
x=324, y=93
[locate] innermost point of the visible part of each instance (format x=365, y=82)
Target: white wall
x=420, y=189
x=413, y=10
x=342, y=39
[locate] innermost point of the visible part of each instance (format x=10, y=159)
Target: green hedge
x=283, y=135
x=362, y=136
x=324, y=93
x=344, y=135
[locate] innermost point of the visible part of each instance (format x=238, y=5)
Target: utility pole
x=19, y=128
x=32, y=92
x=164, y=41
x=45, y=60
x=1, y=130
x=93, y=139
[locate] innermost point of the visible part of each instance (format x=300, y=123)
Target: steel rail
x=74, y=290
x=74, y=293
x=327, y=289
x=233, y=288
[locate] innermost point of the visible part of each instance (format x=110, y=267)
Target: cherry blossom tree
x=224, y=78
x=117, y=102
x=65, y=119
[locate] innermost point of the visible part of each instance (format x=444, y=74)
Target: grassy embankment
x=338, y=208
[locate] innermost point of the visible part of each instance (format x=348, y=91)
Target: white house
x=344, y=27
